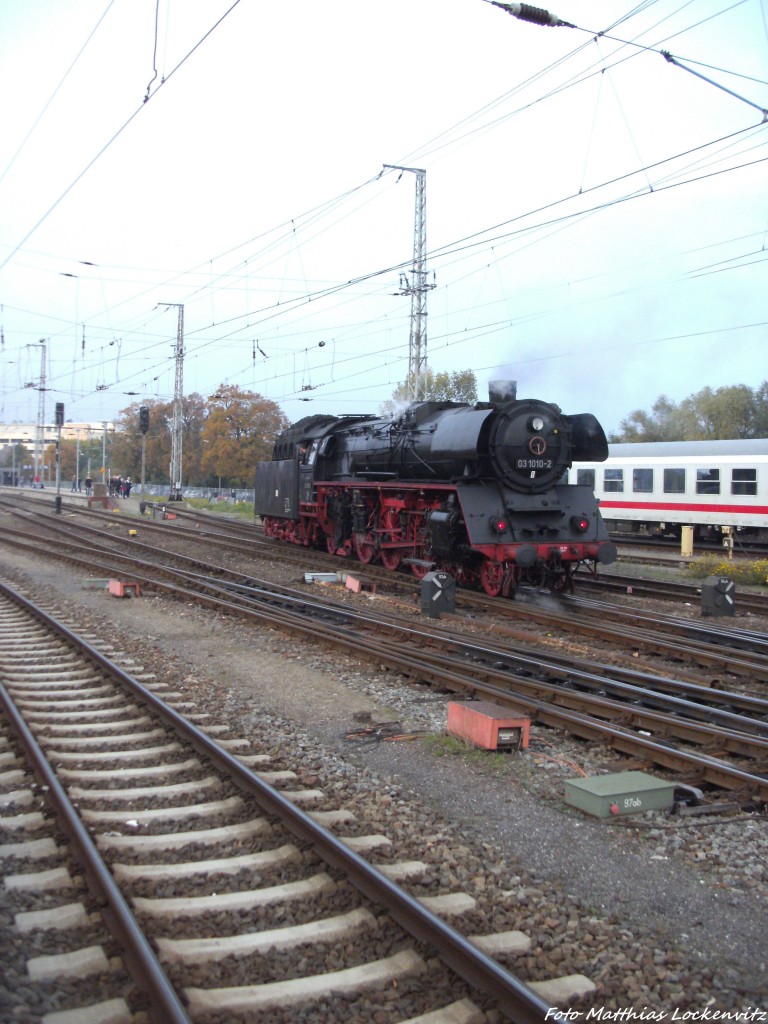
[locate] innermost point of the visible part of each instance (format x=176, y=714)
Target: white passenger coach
x=717, y=487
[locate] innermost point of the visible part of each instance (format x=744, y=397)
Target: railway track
x=614, y=956
x=248, y=539
x=682, y=640
x=245, y=536
x=638, y=543
x=184, y=833
x=659, y=719
x=665, y=590
x=558, y=613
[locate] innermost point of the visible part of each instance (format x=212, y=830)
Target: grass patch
x=443, y=745
x=749, y=573
x=239, y=509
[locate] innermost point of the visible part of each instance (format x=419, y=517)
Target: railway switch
x=717, y=596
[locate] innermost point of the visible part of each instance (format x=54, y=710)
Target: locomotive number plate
x=533, y=464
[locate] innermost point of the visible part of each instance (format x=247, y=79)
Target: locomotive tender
x=475, y=491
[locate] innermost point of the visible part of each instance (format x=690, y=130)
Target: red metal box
x=489, y=726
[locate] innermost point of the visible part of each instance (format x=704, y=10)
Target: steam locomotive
x=476, y=491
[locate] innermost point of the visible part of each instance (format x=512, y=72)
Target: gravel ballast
x=660, y=911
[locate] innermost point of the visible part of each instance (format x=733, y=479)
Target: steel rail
x=164, y=1004
x=684, y=683
x=693, y=650
x=720, y=773
x=750, y=640
x=709, y=654
x=235, y=534
x=569, y=672
x=521, y=1004
x=665, y=590
x=636, y=688
x=498, y=684
x=712, y=770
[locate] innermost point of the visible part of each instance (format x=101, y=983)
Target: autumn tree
x=125, y=457
x=239, y=432
x=724, y=413
x=194, y=415
x=663, y=423
x=735, y=411
x=761, y=410
x=91, y=451
x=459, y=386
x=18, y=456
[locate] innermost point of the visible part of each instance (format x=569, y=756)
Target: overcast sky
x=597, y=216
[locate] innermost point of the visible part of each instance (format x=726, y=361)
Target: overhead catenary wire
x=673, y=60
x=115, y=136
x=279, y=310
x=289, y=308
x=54, y=94
x=154, y=52
x=462, y=245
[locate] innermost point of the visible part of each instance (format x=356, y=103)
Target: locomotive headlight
x=536, y=424
x=498, y=525
x=580, y=524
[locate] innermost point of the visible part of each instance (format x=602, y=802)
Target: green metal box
x=604, y=796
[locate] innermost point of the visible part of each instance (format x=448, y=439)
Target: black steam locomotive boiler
x=470, y=490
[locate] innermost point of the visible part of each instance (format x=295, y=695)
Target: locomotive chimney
x=500, y=391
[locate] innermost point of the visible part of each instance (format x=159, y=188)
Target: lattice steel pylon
x=40, y=431
x=417, y=287
x=177, y=422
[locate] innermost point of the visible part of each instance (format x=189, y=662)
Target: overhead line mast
x=40, y=431
x=417, y=287
x=177, y=422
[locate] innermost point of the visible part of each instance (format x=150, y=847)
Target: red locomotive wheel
x=492, y=577
x=391, y=559
x=365, y=547
x=420, y=571
x=391, y=531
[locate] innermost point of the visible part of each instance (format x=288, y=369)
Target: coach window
x=613, y=480
x=707, y=481
x=642, y=481
x=674, y=481
x=744, y=481
x=586, y=478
